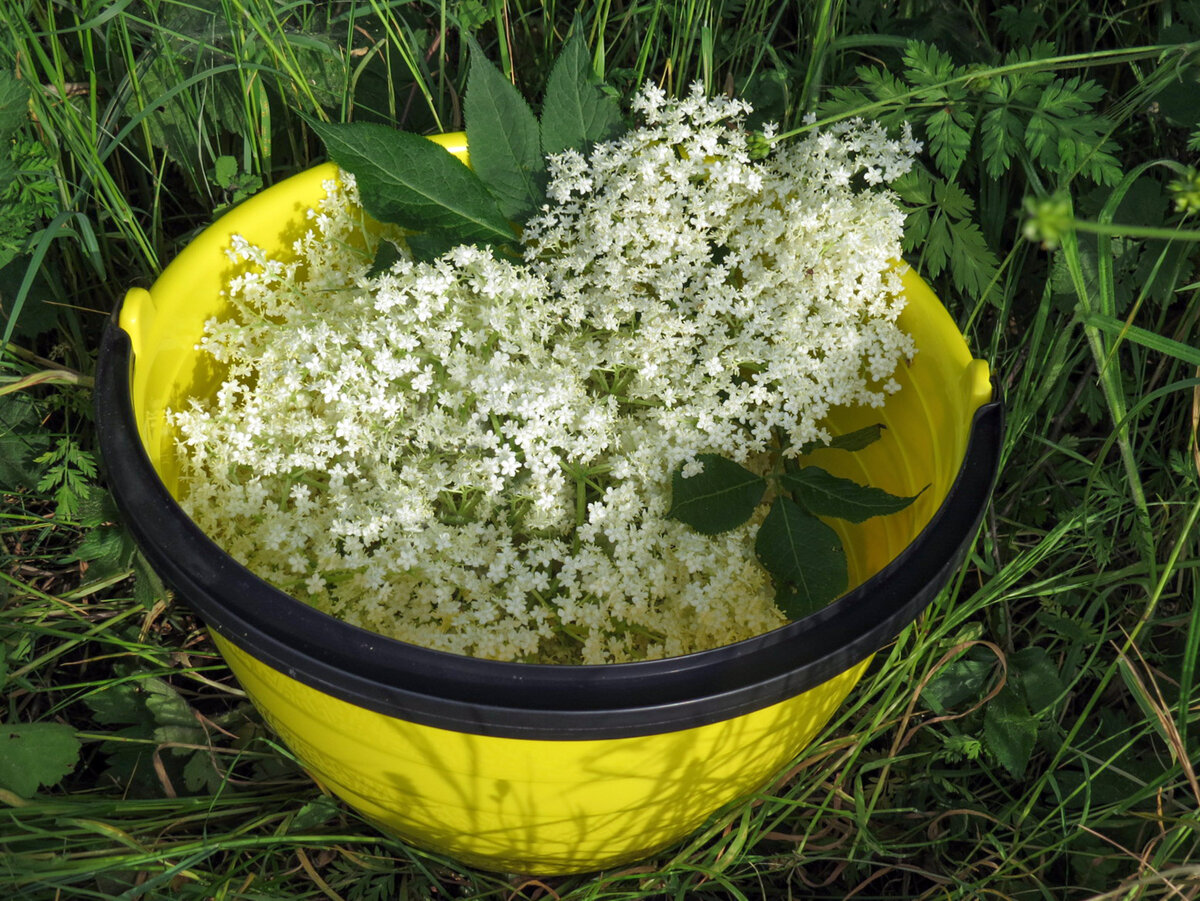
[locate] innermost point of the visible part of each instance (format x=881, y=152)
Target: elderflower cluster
x=475, y=454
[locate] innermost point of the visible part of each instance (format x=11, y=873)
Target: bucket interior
x=927, y=422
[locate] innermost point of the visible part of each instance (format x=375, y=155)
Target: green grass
x=1034, y=735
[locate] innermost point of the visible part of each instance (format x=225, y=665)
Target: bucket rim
x=527, y=700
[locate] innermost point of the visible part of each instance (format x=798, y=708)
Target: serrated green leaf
x=804, y=556
x=97, y=507
x=850, y=441
x=926, y=65
x=1001, y=134
x=316, y=812
x=148, y=588
x=414, y=183
x=14, y=105
x=720, y=498
x=973, y=265
x=22, y=440
x=502, y=132
x=959, y=684
x=1009, y=731
x=387, y=255
x=1036, y=676
x=200, y=775
x=182, y=735
x=119, y=703
x=576, y=112
x=823, y=494
x=34, y=755
x=952, y=199
x=165, y=704
x=103, y=544
x=948, y=140
x=225, y=170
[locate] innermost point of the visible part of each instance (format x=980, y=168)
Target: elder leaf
x=576, y=112
x=412, y=182
x=804, y=557
x=824, y=494
x=502, y=132
x=720, y=498
x=850, y=441
x=36, y=754
x=387, y=255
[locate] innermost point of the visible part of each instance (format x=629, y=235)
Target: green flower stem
x=1152, y=232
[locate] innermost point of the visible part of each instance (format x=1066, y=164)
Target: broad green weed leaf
x=804, y=557
x=316, y=813
x=117, y=703
x=148, y=588
x=33, y=755
x=720, y=498
x=960, y=683
x=200, y=775
x=1009, y=731
x=165, y=704
x=1036, y=676
x=414, y=183
x=576, y=112
x=502, y=132
x=828, y=495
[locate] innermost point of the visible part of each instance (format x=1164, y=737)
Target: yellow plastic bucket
x=521, y=767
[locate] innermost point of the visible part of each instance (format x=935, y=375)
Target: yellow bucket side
x=533, y=806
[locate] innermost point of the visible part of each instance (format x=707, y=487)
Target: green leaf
x=165, y=704
x=1036, y=676
x=314, y=814
x=502, y=132
x=118, y=703
x=200, y=776
x=427, y=247
x=36, y=754
x=720, y=498
x=859, y=438
x=14, y=105
x=576, y=112
x=948, y=140
x=959, y=683
x=823, y=494
x=804, y=557
x=1009, y=731
x=22, y=439
x=851, y=441
x=148, y=588
x=387, y=255
x=414, y=183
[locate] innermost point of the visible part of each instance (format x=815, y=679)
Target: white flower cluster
x=475, y=454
